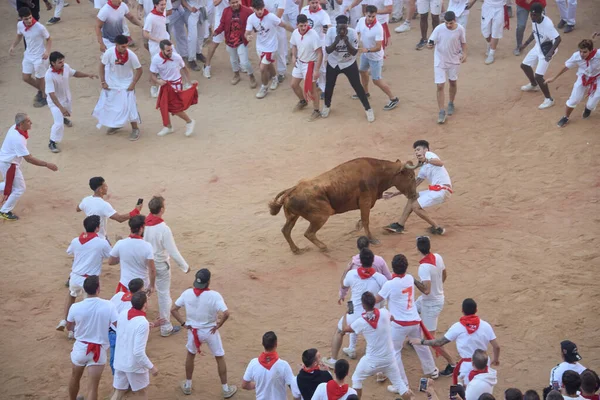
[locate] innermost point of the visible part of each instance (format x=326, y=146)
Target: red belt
x=592, y=82
x=426, y=332
x=437, y=188
x=177, y=85
x=457, y=370
x=93, y=348
x=10, y=177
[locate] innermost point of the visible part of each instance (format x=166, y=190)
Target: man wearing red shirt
x=523, y=7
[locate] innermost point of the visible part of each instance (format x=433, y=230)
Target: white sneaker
x=490, y=59
x=370, y=115
x=404, y=27
x=435, y=374
x=350, y=352
x=325, y=114
x=154, y=91
x=61, y=325
x=380, y=377
x=329, y=362
x=262, y=92
x=392, y=389
x=165, y=131
x=274, y=83
x=230, y=391
x=206, y=72
x=487, y=50
x=189, y=128
x=546, y=104
x=530, y=88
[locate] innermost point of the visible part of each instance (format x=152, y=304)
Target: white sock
x=188, y=383
x=225, y=387
x=492, y=52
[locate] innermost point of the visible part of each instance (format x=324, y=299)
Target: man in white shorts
x=319, y=21
x=110, y=23
x=440, y=189
x=360, y=280
x=265, y=25
x=406, y=323
x=494, y=19
x=450, y=43
x=135, y=256
x=270, y=375
x=88, y=251
x=336, y=388
x=307, y=57
x=424, y=7
x=219, y=7
x=587, y=61
x=91, y=319
x=196, y=19
x=58, y=95
x=155, y=31
x=35, y=58
x=470, y=333
x=547, y=40
x=205, y=313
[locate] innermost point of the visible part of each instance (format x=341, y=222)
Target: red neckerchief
x=198, y=292
x=33, y=22
x=366, y=273
x=310, y=370
x=264, y=14
x=398, y=276
x=372, y=25
x=165, y=58
x=314, y=12
x=132, y=313
x=25, y=134
x=302, y=34
x=122, y=288
x=135, y=236
x=58, y=71
x=127, y=296
x=335, y=391
x=475, y=372
x=590, y=56
x=267, y=359
x=372, y=320
x=428, y=259
x=121, y=58
x=86, y=237
x=152, y=219
x=112, y=5
x=471, y=322
x=156, y=12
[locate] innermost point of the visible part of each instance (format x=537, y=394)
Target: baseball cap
x=202, y=278
x=569, y=350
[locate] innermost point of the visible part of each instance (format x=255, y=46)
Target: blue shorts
x=112, y=339
x=369, y=65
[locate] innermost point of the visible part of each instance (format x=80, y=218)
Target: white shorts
x=267, y=58
x=220, y=38
x=492, y=21
x=429, y=6
x=79, y=358
x=442, y=73
x=213, y=341
x=535, y=56
x=136, y=380
x=76, y=284
x=300, y=70
x=350, y=318
x=429, y=198
x=579, y=92
x=367, y=367
x=429, y=311
x=36, y=67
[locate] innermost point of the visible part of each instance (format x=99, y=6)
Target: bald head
x=480, y=359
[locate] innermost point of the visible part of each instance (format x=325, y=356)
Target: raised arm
x=562, y=71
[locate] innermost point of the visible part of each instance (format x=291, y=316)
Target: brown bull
x=353, y=185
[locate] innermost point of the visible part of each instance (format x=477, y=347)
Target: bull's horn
x=410, y=166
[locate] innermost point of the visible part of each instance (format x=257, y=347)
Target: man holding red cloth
x=12, y=153
x=168, y=69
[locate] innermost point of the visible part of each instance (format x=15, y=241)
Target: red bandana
x=121, y=58
x=371, y=25
x=165, y=58
x=365, y=273
x=590, y=56
x=156, y=12
x=265, y=12
x=152, y=219
x=135, y=236
x=398, y=276
x=112, y=5
x=33, y=22
x=267, y=359
x=310, y=370
x=428, y=259
x=302, y=34
x=127, y=296
x=86, y=237
x=58, y=71
x=132, y=313
x=314, y=12
x=471, y=322
x=122, y=288
x=372, y=320
x=335, y=391
x=24, y=133
x=475, y=372
x=93, y=348
x=198, y=292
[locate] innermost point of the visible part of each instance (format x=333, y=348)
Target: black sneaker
x=200, y=57
x=437, y=231
x=9, y=216
x=422, y=43
x=53, y=21
x=563, y=121
x=395, y=228
x=194, y=66
x=561, y=24
x=391, y=105
x=355, y=96
x=38, y=103
x=280, y=78
x=53, y=147
x=586, y=113
x=68, y=282
x=67, y=122
x=448, y=371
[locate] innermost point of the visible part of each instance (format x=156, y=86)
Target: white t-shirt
x=458, y=7
x=547, y=32
x=433, y=273
x=119, y=76
x=290, y=6
x=448, y=45
x=14, y=147
x=435, y=175
x=169, y=70
x=495, y=3
x=306, y=44
x=92, y=205
x=467, y=344
x=98, y=4
x=148, y=6
x=113, y=21
x=120, y=305
x=201, y=311
x=133, y=253
x=156, y=25
x=321, y=392
x=587, y=68
x=273, y=5
x=400, y=295
x=381, y=4
x=271, y=384
x=92, y=318
x=266, y=28
x=317, y=21
x=379, y=340
x=359, y=286
x=369, y=38
x=35, y=37
x=558, y=371
x=88, y=256
x=340, y=56
x=59, y=85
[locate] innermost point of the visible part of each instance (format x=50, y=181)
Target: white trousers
x=58, y=7
x=367, y=367
x=177, y=29
x=238, y=57
x=115, y=108
x=163, y=291
x=17, y=190
x=579, y=92
x=291, y=17
x=567, y=9
x=399, y=335
x=195, y=35
x=282, y=50
x=210, y=15
x=58, y=127
x=397, y=9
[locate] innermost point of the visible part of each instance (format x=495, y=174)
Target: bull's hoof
x=374, y=242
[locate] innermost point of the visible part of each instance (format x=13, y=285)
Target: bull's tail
x=276, y=204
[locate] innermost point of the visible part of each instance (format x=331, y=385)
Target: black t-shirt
x=308, y=382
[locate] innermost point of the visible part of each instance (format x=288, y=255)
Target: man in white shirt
x=547, y=40
x=12, y=153
x=570, y=362
x=440, y=189
x=58, y=95
x=318, y=19
x=35, y=57
x=90, y=319
x=341, y=46
x=135, y=256
x=197, y=18
x=89, y=251
x=159, y=235
x=384, y=9
x=205, y=313
x=470, y=333
x=494, y=19
x=269, y=375
x=110, y=23
x=96, y=205
x=371, y=36
x=571, y=385
x=148, y=6
x=450, y=43
x=307, y=57
x=120, y=71
x=336, y=388
x=482, y=378
x=265, y=25
x=587, y=62
x=155, y=31
x=568, y=10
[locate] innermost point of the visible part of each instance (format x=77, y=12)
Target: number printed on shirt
x=409, y=290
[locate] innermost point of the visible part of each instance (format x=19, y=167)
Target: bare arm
x=351, y=48
x=155, y=79
x=40, y=163
x=280, y=12
x=152, y=273
x=435, y=161
x=98, y=27
x=435, y=343
x=424, y=287
x=185, y=73
x=57, y=102
x=331, y=48
x=319, y=59
x=48, y=48
x=175, y=313
x=354, y=4
x=102, y=73
x=496, y=351
x=562, y=71
x=136, y=78
x=529, y=40
x=15, y=43
x=248, y=385
x=444, y=276
x=556, y=42
x=464, y=52
x=247, y=35
x=134, y=20
x=188, y=7
x=286, y=26
x=221, y=318
x=113, y=260
x=79, y=74
x=375, y=49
